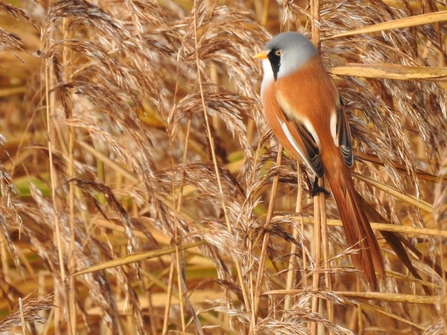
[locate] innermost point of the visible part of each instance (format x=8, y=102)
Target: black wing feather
x=344, y=136
x=313, y=152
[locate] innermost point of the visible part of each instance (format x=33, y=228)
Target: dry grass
x=134, y=150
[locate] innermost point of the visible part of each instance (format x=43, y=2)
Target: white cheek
x=268, y=75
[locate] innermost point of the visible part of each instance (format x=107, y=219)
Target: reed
x=142, y=192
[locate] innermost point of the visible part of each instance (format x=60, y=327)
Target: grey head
x=287, y=52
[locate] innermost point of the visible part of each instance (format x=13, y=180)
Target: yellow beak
x=261, y=55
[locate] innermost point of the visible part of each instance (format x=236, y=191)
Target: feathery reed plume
x=135, y=129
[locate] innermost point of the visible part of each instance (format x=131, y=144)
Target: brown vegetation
x=140, y=185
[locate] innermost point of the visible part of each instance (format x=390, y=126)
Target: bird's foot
x=316, y=189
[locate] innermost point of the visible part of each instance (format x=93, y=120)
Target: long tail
x=355, y=223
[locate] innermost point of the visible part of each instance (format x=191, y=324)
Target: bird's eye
x=278, y=52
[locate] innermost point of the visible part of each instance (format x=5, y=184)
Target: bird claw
x=317, y=189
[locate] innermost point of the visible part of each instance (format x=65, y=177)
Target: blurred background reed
x=133, y=147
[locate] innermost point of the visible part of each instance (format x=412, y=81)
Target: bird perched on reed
x=304, y=110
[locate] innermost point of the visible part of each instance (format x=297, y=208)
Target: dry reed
x=137, y=170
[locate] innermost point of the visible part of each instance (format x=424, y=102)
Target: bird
x=304, y=110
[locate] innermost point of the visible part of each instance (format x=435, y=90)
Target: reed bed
x=143, y=193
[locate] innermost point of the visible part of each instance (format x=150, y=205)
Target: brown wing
x=311, y=147
x=293, y=135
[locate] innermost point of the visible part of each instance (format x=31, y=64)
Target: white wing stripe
x=292, y=141
x=333, y=126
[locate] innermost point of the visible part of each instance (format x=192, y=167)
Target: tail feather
x=357, y=228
